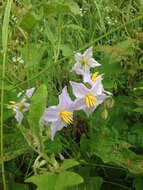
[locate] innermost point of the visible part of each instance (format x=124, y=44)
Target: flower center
x=90, y=100
x=84, y=61
x=66, y=116
x=11, y=105
x=95, y=76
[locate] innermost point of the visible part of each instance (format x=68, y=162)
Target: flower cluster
x=87, y=99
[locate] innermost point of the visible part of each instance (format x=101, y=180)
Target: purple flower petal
x=79, y=89
x=29, y=92
x=51, y=114
x=88, y=53
x=64, y=99
x=93, y=63
x=57, y=126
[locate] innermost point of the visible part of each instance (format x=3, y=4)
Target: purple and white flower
x=22, y=106
x=61, y=115
x=84, y=62
x=89, y=99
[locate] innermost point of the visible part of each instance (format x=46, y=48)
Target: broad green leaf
x=66, y=179
x=52, y=181
x=68, y=163
x=28, y=22
x=44, y=182
x=115, y=151
x=37, y=107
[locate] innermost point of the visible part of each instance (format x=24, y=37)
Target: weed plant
x=38, y=44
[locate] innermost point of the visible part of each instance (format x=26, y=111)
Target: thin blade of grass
x=4, y=46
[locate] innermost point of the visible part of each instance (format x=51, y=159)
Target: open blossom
x=22, y=106
x=61, y=115
x=84, y=62
x=92, y=80
x=89, y=99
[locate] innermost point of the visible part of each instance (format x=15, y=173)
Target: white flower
x=84, y=62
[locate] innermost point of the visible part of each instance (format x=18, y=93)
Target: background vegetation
x=100, y=152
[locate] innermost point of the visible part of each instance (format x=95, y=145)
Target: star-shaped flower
x=84, y=62
x=22, y=106
x=61, y=115
x=89, y=99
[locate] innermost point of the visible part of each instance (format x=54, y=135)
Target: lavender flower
x=61, y=115
x=22, y=106
x=89, y=99
x=84, y=62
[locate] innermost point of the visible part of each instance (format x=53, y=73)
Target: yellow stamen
x=12, y=102
x=66, y=116
x=90, y=100
x=87, y=102
x=95, y=76
x=93, y=103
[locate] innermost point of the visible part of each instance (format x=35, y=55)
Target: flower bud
x=104, y=114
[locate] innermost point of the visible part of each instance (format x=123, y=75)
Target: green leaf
x=28, y=22
x=66, y=50
x=138, y=183
x=37, y=107
x=74, y=8
x=52, y=181
x=68, y=163
x=5, y=25
x=44, y=182
x=115, y=151
x=66, y=179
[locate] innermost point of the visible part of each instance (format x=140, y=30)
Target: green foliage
x=55, y=181
x=112, y=150
x=38, y=104
x=104, y=148
x=138, y=183
x=28, y=22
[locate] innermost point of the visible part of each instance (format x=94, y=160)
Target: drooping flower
x=84, y=62
x=89, y=99
x=22, y=106
x=61, y=115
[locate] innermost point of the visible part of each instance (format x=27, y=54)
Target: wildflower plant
x=41, y=119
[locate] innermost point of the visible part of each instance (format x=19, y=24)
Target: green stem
x=2, y=118
x=117, y=184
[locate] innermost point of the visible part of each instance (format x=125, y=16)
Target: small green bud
x=104, y=114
